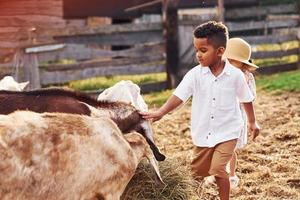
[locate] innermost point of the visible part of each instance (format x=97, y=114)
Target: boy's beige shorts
x=212, y=161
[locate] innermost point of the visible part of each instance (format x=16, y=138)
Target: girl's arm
x=254, y=127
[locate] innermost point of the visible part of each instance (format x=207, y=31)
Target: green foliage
x=157, y=98
x=286, y=81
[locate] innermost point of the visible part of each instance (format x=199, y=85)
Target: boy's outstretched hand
x=152, y=115
x=254, y=130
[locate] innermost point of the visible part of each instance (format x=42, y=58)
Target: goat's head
x=142, y=149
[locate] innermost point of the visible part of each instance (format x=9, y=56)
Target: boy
x=216, y=120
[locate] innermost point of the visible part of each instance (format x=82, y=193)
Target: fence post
x=221, y=10
x=170, y=20
x=31, y=67
x=28, y=69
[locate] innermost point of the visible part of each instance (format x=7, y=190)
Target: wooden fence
x=146, y=47
x=144, y=53
x=260, y=26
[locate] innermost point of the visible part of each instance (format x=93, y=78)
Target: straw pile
x=175, y=174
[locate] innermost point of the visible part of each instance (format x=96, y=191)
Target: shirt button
x=206, y=137
x=209, y=133
x=214, y=99
x=216, y=80
x=212, y=117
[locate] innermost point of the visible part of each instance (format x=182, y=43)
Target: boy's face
x=206, y=53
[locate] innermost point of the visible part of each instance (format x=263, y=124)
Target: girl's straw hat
x=238, y=49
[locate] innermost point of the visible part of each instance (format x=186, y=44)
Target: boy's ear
x=221, y=51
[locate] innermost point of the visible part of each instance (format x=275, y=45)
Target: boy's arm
x=172, y=103
x=254, y=128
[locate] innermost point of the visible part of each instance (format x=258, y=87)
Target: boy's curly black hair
x=215, y=32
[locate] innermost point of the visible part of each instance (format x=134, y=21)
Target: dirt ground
x=269, y=168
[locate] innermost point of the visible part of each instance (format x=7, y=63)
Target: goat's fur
x=56, y=156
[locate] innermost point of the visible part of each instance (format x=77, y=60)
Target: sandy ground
x=269, y=168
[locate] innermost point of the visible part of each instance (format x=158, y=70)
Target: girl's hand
x=254, y=130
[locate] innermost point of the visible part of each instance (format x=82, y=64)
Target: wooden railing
x=258, y=25
x=88, y=54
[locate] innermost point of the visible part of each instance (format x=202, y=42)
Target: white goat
x=9, y=83
x=125, y=91
x=55, y=156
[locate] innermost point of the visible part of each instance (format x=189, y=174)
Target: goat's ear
x=137, y=141
x=154, y=165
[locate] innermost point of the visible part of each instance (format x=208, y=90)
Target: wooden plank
x=284, y=31
x=6, y=54
x=221, y=11
x=283, y=17
x=153, y=87
x=269, y=39
x=13, y=37
x=39, y=21
x=31, y=7
x=31, y=71
x=256, y=25
x=52, y=77
x=259, y=11
x=98, y=63
x=277, y=68
x=130, y=38
x=274, y=54
x=45, y=48
x=107, y=29
x=193, y=15
x=82, y=52
x=252, y=25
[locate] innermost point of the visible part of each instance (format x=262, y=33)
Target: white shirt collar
x=226, y=69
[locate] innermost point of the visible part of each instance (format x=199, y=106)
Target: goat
x=127, y=92
x=58, y=156
x=9, y=83
x=124, y=115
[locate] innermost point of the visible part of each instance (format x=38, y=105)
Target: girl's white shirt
x=243, y=139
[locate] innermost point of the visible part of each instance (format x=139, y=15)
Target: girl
x=238, y=52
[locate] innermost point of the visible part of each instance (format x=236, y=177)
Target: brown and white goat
x=126, y=116
x=128, y=92
x=57, y=156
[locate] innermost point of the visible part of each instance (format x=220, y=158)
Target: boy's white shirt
x=216, y=115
